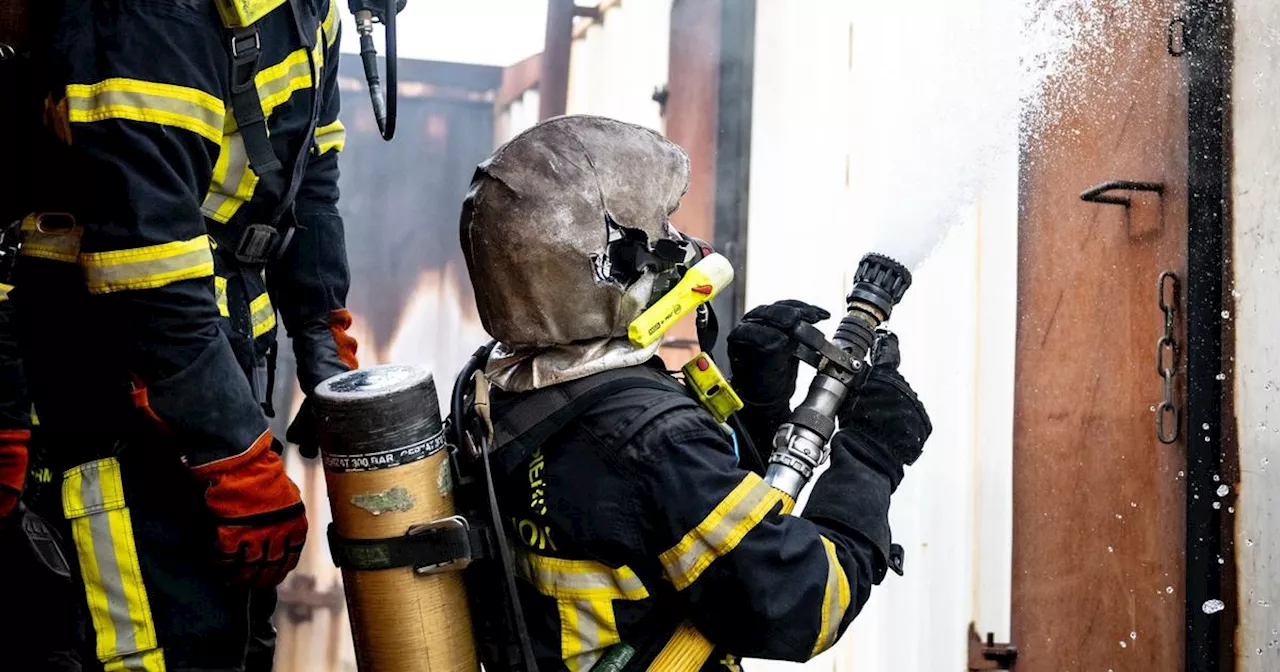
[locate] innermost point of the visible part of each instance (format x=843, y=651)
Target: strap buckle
x=246, y=48
x=445, y=545
x=456, y=564
x=258, y=244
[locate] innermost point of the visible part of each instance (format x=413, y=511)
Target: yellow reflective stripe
x=153, y=266
x=147, y=267
x=150, y=661
x=220, y=295
x=243, y=13
x=835, y=600
x=331, y=136
x=61, y=246
x=719, y=533
x=279, y=82
x=151, y=102
x=4, y=292
x=102, y=529
x=584, y=591
x=233, y=181
x=262, y=315
x=686, y=651
x=581, y=579
x=330, y=33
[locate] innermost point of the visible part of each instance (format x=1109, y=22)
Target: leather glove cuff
x=249, y=484
x=852, y=498
x=323, y=349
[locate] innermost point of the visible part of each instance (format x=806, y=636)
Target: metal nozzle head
x=879, y=282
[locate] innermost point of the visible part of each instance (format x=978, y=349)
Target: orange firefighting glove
x=13, y=469
x=260, y=518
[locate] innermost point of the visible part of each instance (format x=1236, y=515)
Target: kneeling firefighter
x=640, y=524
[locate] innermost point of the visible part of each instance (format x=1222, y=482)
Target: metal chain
x=1168, y=417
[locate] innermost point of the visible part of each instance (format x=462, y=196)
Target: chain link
x=1168, y=417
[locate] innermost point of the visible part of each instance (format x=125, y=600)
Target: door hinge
x=988, y=655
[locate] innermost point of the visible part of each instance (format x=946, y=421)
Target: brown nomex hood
x=536, y=222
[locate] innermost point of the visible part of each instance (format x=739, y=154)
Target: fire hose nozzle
x=800, y=445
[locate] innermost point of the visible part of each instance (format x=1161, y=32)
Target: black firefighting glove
x=885, y=422
x=305, y=430
x=762, y=351
x=762, y=359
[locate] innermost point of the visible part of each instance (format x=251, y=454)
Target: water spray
x=800, y=446
x=384, y=12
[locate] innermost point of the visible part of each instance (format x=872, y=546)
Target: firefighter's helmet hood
x=540, y=218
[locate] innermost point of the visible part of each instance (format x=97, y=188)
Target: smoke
x=948, y=85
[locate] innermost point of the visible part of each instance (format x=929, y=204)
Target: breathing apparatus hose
x=384, y=105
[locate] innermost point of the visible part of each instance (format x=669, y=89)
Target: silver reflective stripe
x=262, y=315
x=279, y=83
x=720, y=532
x=146, y=101
x=590, y=635
x=147, y=272
x=835, y=600
x=620, y=583
x=222, y=191
x=112, y=584
x=136, y=662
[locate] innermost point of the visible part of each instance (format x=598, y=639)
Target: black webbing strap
x=435, y=547
x=520, y=427
x=246, y=105
x=260, y=243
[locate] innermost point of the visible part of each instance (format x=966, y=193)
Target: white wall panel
x=1256, y=264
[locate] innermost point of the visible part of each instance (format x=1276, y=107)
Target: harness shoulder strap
x=523, y=424
x=259, y=242
x=246, y=104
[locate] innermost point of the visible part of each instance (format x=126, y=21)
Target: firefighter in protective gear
x=42, y=626
x=638, y=531
x=189, y=198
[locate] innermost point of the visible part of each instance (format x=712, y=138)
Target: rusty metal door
x=1098, y=499
x=708, y=113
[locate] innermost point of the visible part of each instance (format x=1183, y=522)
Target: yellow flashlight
x=699, y=285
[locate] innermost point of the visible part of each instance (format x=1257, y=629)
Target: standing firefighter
x=190, y=194
x=632, y=510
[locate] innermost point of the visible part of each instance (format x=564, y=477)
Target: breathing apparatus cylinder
x=390, y=488
x=800, y=446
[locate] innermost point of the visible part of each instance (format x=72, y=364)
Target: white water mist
x=946, y=85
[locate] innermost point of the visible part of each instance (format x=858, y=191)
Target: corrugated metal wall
x=1256, y=270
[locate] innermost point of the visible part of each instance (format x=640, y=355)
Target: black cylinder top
x=377, y=418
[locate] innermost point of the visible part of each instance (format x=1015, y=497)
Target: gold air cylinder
x=388, y=474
